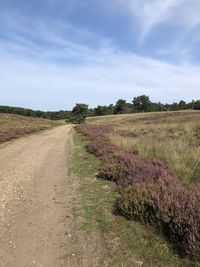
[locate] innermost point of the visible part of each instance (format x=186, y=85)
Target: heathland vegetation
x=151, y=152
x=154, y=158
x=13, y=126
x=115, y=241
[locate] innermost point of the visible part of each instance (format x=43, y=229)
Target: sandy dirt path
x=36, y=196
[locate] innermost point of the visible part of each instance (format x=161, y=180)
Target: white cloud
x=43, y=76
x=103, y=79
x=152, y=13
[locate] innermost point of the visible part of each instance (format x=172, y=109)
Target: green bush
x=76, y=119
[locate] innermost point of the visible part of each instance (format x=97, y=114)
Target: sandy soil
x=36, y=202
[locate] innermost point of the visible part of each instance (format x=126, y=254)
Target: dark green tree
x=80, y=109
x=78, y=114
x=91, y=112
x=197, y=104
x=104, y=110
x=120, y=107
x=182, y=104
x=174, y=106
x=100, y=110
x=141, y=104
x=158, y=107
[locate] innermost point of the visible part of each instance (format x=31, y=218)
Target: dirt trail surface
x=36, y=196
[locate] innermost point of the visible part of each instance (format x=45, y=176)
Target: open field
x=154, y=158
x=180, y=116
x=170, y=136
x=13, y=126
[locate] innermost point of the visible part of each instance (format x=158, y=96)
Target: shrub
x=149, y=190
x=173, y=209
x=197, y=105
x=178, y=211
x=11, y=133
x=132, y=202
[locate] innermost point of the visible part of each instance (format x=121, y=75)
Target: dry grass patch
x=148, y=117
x=175, y=140
x=13, y=126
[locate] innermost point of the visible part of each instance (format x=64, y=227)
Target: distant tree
x=100, y=110
x=80, y=109
x=52, y=115
x=197, y=104
x=78, y=114
x=91, y=112
x=104, y=110
x=158, y=107
x=141, y=104
x=174, y=106
x=120, y=107
x=110, y=109
x=39, y=113
x=190, y=105
x=129, y=108
x=182, y=104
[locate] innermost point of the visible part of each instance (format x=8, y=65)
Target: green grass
x=126, y=243
x=179, y=152
x=170, y=136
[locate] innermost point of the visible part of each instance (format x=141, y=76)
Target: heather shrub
x=177, y=210
x=11, y=133
x=102, y=148
x=133, y=202
x=149, y=190
x=128, y=168
x=173, y=209
x=94, y=131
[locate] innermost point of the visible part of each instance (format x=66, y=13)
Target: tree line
x=51, y=115
x=139, y=104
x=81, y=111
x=143, y=104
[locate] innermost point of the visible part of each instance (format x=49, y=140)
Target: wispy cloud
x=155, y=12
x=169, y=29
x=52, y=68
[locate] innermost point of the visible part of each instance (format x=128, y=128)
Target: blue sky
x=55, y=53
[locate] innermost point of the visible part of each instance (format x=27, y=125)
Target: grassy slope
x=138, y=117
x=171, y=136
x=12, y=126
x=127, y=243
